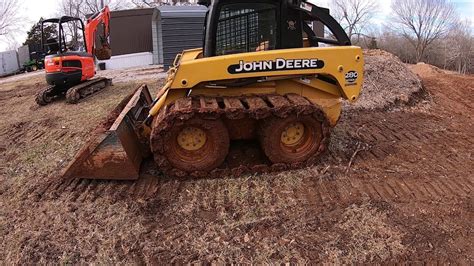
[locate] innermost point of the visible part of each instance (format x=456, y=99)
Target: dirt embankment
x=395, y=186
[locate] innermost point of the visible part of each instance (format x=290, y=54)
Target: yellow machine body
x=336, y=74
x=340, y=77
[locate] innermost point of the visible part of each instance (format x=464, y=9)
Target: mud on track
x=395, y=186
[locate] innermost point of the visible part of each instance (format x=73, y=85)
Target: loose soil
x=388, y=83
x=395, y=186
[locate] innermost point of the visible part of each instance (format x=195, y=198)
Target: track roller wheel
x=72, y=96
x=197, y=145
x=292, y=139
x=42, y=97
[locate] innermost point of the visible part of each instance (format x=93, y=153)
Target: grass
x=41, y=140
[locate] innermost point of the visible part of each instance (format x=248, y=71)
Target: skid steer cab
x=263, y=81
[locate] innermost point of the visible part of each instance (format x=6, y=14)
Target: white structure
x=128, y=60
x=8, y=63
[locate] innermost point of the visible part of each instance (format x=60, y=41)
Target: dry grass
x=42, y=140
x=365, y=235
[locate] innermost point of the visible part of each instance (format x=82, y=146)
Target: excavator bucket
x=118, y=146
x=103, y=53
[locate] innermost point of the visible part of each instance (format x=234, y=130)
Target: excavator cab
x=66, y=54
x=70, y=35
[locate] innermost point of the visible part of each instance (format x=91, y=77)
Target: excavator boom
x=98, y=29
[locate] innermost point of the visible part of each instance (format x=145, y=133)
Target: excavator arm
x=98, y=25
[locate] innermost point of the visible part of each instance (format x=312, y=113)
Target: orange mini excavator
x=70, y=62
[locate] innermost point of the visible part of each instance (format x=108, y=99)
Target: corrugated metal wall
x=130, y=31
x=176, y=28
x=180, y=33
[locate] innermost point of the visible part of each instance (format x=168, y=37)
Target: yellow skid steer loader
x=261, y=95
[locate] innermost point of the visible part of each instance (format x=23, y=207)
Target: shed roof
x=133, y=12
x=182, y=11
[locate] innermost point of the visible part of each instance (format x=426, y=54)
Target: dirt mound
x=425, y=70
x=387, y=82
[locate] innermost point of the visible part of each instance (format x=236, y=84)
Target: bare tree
x=354, y=15
x=422, y=22
x=10, y=19
x=153, y=3
x=94, y=6
x=459, y=48
x=395, y=44
x=81, y=8
x=73, y=8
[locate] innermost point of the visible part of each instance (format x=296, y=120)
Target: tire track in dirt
x=398, y=140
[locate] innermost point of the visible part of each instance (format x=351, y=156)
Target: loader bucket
x=117, y=147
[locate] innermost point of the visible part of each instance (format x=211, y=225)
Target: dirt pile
x=387, y=82
x=425, y=70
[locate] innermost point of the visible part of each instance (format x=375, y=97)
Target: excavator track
x=231, y=122
x=47, y=95
x=83, y=90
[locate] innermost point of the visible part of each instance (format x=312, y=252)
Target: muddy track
x=239, y=112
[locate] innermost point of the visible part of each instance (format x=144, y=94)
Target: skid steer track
x=256, y=110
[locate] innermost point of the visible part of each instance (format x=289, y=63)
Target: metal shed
x=130, y=31
x=131, y=38
x=155, y=35
x=23, y=55
x=174, y=29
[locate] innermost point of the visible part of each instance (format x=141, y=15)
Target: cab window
x=246, y=28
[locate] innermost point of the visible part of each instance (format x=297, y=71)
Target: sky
x=35, y=9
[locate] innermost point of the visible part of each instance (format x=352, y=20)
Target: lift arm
x=313, y=12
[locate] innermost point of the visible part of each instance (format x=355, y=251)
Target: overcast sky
x=35, y=9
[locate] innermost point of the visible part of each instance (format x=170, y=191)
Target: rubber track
x=81, y=91
x=233, y=108
x=40, y=96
